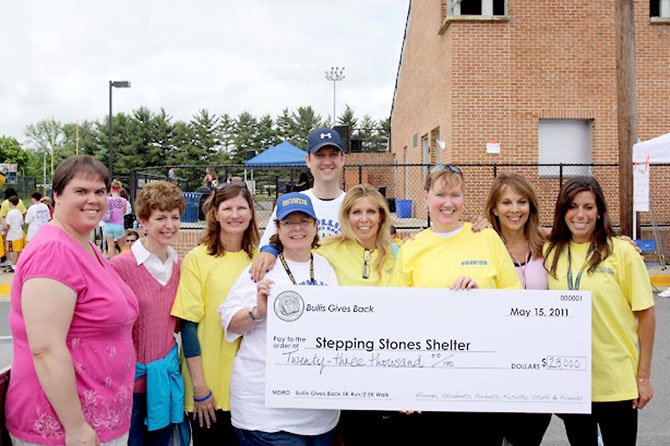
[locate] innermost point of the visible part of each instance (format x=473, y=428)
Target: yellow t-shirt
x=4, y=208
x=346, y=258
x=619, y=286
x=430, y=261
x=204, y=285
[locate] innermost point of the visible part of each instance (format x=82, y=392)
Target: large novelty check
x=429, y=349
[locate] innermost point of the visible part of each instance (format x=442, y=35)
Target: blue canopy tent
x=283, y=154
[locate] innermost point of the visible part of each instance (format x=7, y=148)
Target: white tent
x=655, y=150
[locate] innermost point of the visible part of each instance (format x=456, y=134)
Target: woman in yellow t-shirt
x=450, y=255
x=362, y=255
x=208, y=271
x=583, y=254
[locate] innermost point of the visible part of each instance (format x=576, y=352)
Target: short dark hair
x=9, y=192
x=37, y=195
x=14, y=199
x=79, y=166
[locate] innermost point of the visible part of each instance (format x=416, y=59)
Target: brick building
x=536, y=77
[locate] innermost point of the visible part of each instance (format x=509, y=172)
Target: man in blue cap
x=325, y=159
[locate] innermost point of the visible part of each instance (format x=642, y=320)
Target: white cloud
x=226, y=56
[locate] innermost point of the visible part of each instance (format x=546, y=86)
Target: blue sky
x=226, y=56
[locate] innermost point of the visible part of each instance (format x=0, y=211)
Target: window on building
x=415, y=140
x=476, y=7
x=659, y=8
x=435, y=145
x=567, y=141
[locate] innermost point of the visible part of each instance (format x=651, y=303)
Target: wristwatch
x=254, y=318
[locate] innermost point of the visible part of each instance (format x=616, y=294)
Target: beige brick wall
x=484, y=80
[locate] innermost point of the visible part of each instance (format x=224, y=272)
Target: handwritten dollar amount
x=564, y=362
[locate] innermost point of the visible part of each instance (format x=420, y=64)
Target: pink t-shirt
x=533, y=275
x=99, y=340
x=116, y=209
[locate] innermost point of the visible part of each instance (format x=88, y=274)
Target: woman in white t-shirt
x=243, y=315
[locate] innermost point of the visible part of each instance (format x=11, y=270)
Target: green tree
x=246, y=137
x=12, y=152
x=206, y=141
x=306, y=120
x=286, y=126
x=46, y=137
x=267, y=135
x=366, y=132
x=226, y=135
x=348, y=118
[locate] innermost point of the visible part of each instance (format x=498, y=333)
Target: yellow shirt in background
x=619, y=286
x=430, y=261
x=347, y=257
x=204, y=285
x=4, y=208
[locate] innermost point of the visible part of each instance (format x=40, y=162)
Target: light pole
x=117, y=84
x=335, y=74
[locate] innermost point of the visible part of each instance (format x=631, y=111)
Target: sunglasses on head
x=449, y=167
x=238, y=183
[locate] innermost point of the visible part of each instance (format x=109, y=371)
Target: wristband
x=254, y=318
x=270, y=250
x=206, y=397
x=644, y=380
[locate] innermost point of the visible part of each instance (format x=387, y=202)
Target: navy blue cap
x=323, y=137
x=294, y=202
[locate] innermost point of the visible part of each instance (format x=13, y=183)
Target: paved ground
x=653, y=428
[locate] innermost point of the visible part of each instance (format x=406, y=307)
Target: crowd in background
x=95, y=354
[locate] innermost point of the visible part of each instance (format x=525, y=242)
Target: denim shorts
x=112, y=230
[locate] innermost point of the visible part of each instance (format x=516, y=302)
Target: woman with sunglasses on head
x=243, y=316
x=151, y=269
x=208, y=271
x=584, y=254
x=450, y=255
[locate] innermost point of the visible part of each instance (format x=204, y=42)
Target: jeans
x=282, y=438
x=139, y=435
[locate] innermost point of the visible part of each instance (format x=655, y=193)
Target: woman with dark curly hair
x=208, y=271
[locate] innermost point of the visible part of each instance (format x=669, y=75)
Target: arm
x=48, y=307
x=262, y=263
x=30, y=214
x=646, y=329
x=204, y=410
x=242, y=322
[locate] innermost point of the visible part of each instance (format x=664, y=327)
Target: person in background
x=450, y=255
x=208, y=271
x=152, y=271
x=243, y=316
x=112, y=229
x=4, y=209
x=130, y=236
x=49, y=203
x=210, y=180
x=14, y=230
x=583, y=254
x=37, y=216
x=71, y=319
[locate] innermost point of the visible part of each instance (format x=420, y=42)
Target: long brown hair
x=521, y=186
x=383, y=238
x=561, y=235
x=212, y=238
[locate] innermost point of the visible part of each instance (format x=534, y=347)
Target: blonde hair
x=450, y=178
x=383, y=239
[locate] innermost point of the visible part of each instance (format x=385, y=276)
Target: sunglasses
x=236, y=183
x=367, y=255
x=449, y=167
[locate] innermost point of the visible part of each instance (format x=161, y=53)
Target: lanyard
x=290, y=274
x=529, y=256
x=575, y=285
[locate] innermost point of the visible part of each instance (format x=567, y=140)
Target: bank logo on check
x=289, y=306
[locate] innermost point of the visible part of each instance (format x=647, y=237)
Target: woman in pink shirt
x=71, y=319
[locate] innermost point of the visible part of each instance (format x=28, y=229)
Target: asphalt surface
x=653, y=420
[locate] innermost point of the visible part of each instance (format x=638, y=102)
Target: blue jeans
x=281, y=438
x=139, y=435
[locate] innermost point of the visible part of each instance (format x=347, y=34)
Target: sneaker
x=9, y=269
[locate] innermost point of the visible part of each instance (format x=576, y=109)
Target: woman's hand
x=464, y=283
x=645, y=393
x=261, y=264
x=82, y=435
x=204, y=411
x=263, y=289
x=480, y=223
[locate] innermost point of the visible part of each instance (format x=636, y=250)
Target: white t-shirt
x=247, y=384
x=327, y=213
x=38, y=215
x=15, y=225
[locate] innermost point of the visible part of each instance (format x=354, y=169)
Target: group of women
x=76, y=330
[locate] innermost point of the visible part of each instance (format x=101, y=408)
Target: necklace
x=528, y=256
x=290, y=274
x=575, y=285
